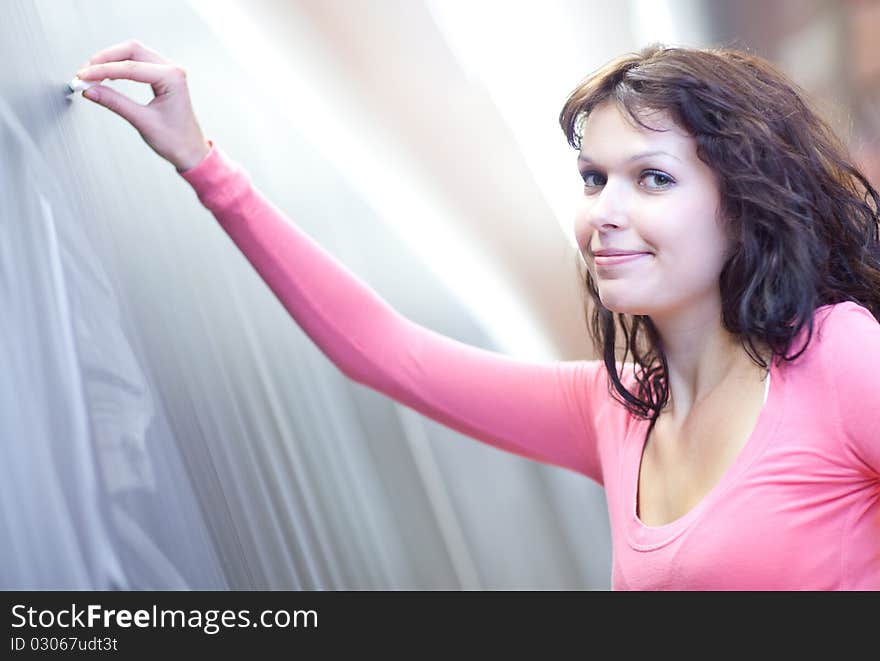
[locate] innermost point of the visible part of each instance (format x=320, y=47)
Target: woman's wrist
x=193, y=158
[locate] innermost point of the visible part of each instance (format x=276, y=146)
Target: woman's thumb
x=118, y=103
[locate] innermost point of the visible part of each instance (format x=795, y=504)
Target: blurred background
x=166, y=425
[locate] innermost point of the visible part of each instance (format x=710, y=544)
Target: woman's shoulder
x=592, y=382
x=840, y=333
x=595, y=371
x=845, y=308
x=845, y=321
x=851, y=357
x=848, y=346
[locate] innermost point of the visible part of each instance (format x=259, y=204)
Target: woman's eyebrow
x=583, y=158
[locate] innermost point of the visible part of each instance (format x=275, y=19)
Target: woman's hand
x=168, y=123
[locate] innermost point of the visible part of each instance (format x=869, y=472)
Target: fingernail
x=92, y=93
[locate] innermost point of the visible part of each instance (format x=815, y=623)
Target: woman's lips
x=612, y=260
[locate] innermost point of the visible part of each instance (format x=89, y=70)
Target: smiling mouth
x=613, y=260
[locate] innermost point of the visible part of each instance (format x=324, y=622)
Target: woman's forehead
x=610, y=129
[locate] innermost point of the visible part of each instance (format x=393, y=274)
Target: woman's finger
x=158, y=75
x=118, y=103
x=127, y=50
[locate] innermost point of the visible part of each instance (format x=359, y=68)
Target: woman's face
x=647, y=191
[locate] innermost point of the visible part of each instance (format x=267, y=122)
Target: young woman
x=731, y=244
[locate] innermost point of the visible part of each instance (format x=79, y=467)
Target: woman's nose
x=606, y=208
x=602, y=211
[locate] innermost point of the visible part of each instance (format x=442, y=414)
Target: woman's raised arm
x=543, y=411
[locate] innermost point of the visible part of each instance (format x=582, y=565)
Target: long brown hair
x=803, y=219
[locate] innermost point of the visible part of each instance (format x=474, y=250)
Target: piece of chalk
x=77, y=85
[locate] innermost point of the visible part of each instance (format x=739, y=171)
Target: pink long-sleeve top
x=799, y=509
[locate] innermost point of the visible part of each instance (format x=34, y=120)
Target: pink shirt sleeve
x=855, y=370
x=542, y=411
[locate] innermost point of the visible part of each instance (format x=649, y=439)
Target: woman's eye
x=592, y=179
x=660, y=180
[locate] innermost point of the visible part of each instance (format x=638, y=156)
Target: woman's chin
x=623, y=307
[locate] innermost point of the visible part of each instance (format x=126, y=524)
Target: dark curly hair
x=802, y=218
